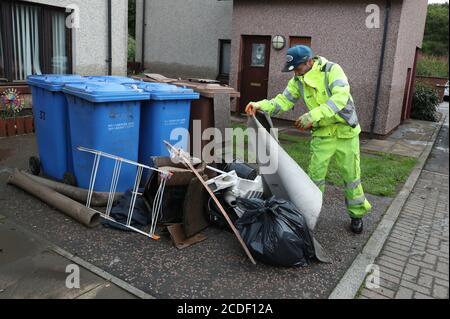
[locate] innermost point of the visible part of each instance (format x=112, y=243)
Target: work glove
x=304, y=122
x=252, y=108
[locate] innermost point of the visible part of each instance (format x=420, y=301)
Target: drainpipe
x=380, y=68
x=109, y=60
x=144, y=24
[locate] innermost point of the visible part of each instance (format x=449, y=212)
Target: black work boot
x=357, y=225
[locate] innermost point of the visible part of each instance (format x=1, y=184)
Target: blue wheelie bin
x=52, y=125
x=167, y=110
x=104, y=117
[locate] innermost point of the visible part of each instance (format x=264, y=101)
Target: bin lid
x=54, y=82
x=98, y=92
x=112, y=79
x=164, y=91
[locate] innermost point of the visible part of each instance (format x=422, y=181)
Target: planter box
x=29, y=124
x=19, y=126
x=10, y=127
x=2, y=128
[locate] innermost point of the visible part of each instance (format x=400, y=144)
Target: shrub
x=432, y=66
x=425, y=103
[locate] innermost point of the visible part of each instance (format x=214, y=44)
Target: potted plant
x=11, y=104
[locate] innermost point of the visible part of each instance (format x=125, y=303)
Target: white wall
x=90, y=41
x=413, y=18
x=182, y=36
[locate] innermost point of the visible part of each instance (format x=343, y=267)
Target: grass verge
x=381, y=174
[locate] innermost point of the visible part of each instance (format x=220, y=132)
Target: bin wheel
x=35, y=165
x=69, y=179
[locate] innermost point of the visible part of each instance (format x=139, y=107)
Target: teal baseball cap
x=297, y=55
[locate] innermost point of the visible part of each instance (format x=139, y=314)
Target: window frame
x=222, y=43
x=45, y=36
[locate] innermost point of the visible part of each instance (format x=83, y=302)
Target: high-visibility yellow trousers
x=348, y=160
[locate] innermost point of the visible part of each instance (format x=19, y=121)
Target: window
x=258, y=55
x=59, y=57
x=224, y=61
x=33, y=40
x=225, y=52
x=299, y=41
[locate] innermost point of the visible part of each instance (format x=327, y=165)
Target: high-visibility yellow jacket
x=326, y=92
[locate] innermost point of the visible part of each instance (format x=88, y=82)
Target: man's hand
x=304, y=122
x=251, y=108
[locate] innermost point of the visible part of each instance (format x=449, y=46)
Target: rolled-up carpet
x=69, y=207
x=99, y=199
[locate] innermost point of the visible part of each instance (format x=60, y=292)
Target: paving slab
x=377, y=145
x=30, y=269
x=409, y=139
x=414, y=130
x=405, y=148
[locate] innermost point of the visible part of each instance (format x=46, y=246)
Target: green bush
x=425, y=103
x=429, y=65
x=131, y=48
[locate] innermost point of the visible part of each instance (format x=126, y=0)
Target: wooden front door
x=412, y=89
x=406, y=95
x=255, y=69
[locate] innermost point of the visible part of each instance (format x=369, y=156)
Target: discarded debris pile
x=272, y=215
x=183, y=202
x=119, y=213
x=275, y=232
x=284, y=178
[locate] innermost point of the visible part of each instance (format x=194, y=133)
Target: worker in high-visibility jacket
x=332, y=118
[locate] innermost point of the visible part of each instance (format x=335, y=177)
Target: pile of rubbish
x=273, y=229
x=273, y=216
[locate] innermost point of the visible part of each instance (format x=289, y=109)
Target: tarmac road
x=215, y=268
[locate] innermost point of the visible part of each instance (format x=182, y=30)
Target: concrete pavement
x=31, y=268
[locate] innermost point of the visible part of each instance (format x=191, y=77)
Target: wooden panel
x=293, y=41
x=255, y=71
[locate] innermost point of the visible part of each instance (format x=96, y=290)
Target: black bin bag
x=275, y=232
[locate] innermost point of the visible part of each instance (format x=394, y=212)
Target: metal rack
x=157, y=203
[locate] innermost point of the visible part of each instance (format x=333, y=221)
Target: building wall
x=182, y=36
x=343, y=38
x=90, y=41
x=410, y=36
